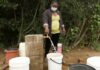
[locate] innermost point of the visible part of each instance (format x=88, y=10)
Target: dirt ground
x=75, y=56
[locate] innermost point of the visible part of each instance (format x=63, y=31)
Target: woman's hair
x=54, y=1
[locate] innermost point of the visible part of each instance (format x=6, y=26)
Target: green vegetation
x=21, y=17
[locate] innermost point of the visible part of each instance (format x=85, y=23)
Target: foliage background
x=21, y=17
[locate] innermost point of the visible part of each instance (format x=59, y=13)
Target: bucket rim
x=50, y=55
x=13, y=61
x=92, y=61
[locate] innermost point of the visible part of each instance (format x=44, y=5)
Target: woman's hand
x=46, y=30
x=64, y=31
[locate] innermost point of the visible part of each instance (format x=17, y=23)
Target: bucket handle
x=55, y=61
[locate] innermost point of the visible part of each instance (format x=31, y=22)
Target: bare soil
x=74, y=56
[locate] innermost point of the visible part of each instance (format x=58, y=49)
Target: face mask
x=53, y=8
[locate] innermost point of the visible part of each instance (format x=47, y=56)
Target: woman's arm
x=45, y=22
x=61, y=21
x=62, y=25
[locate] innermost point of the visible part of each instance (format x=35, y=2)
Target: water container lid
x=22, y=44
x=94, y=61
x=80, y=67
x=19, y=60
x=54, y=56
x=59, y=44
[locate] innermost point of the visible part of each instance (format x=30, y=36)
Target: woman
x=53, y=25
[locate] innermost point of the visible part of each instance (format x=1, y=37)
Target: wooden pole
x=35, y=51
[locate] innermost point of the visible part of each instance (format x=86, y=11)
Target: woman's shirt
x=55, y=24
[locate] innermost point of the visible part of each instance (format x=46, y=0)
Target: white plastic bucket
x=54, y=61
x=19, y=63
x=94, y=62
x=22, y=49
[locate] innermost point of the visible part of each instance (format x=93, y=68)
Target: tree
x=21, y=17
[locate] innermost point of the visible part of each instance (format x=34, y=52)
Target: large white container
x=94, y=62
x=19, y=63
x=54, y=61
x=22, y=49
